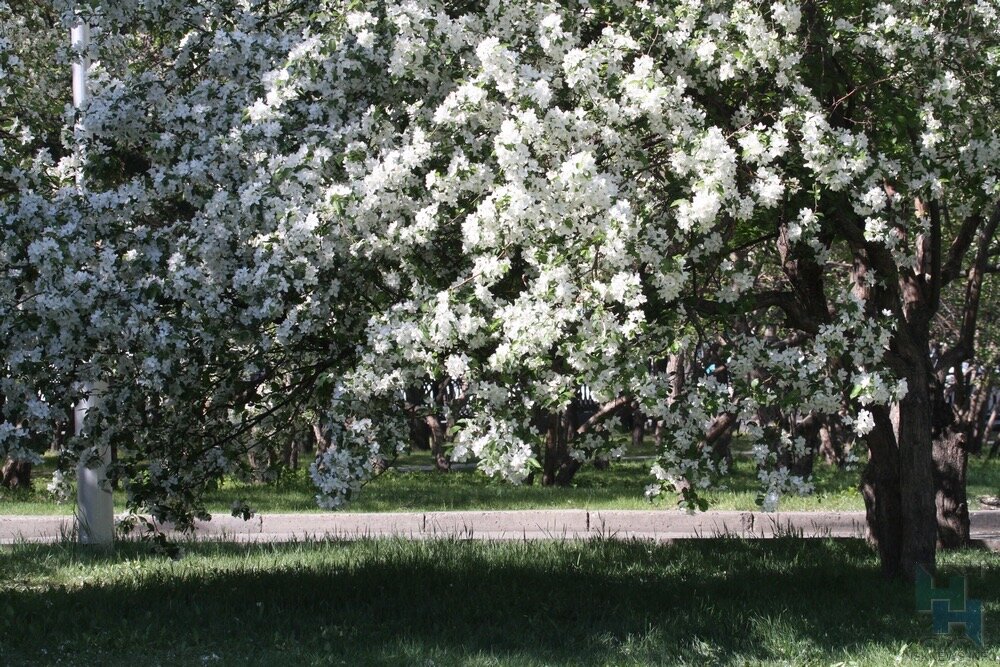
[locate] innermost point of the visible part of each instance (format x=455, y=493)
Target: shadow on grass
x=394, y=602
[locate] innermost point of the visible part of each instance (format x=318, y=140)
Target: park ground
x=601, y=601
x=411, y=488
x=390, y=602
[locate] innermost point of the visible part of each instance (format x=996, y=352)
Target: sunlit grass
x=726, y=602
x=620, y=487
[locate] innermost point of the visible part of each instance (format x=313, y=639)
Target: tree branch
x=963, y=240
x=965, y=346
x=785, y=301
x=603, y=413
x=935, y=268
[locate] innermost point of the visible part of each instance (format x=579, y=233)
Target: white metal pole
x=95, y=512
x=95, y=509
x=79, y=37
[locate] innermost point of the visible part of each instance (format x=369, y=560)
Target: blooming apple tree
x=289, y=210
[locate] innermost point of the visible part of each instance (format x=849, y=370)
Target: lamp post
x=95, y=512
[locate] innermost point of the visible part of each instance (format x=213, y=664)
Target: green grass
x=620, y=487
x=726, y=602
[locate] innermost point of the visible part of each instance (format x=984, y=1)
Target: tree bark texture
x=16, y=474
x=881, y=492
x=951, y=460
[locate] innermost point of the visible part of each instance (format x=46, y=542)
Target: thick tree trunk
x=16, y=474
x=903, y=501
x=951, y=460
x=420, y=434
x=916, y=476
x=881, y=492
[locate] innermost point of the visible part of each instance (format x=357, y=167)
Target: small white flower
x=864, y=423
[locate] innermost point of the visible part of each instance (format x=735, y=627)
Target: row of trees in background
x=290, y=215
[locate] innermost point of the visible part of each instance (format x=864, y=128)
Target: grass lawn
x=620, y=487
x=726, y=602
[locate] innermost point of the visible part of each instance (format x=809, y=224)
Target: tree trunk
x=322, y=441
x=904, y=500
x=437, y=439
x=420, y=434
x=830, y=446
x=292, y=450
x=916, y=476
x=951, y=459
x=638, y=426
x=988, y=430
x=881, y=491
x=977, y=415
x=809, y=428
x=558, y=468
x=16, y=474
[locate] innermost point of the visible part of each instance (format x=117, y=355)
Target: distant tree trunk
x=59, y=435
x=322, y=441
x=558, y=467
x=801, y=464
x=420, y=434
x=989, y=430
x=292, y=448
x=675, y=375
x=638, y=426
x=978, y=414
x=438, y=436
x=831, y=444
x=16, y=474
x=719, y=437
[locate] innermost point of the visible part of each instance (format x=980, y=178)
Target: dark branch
x=603, y=413
x=960, y=246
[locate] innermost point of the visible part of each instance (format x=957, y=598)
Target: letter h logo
x=950, y=606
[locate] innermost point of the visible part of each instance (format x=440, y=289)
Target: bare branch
x=960, y=246
x=603, y=413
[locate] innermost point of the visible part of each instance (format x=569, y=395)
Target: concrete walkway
x=659, y=525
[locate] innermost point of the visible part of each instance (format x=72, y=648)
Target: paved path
x=659, y=525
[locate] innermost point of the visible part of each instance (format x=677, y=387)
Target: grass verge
x=725, y=602
x=619, y=487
